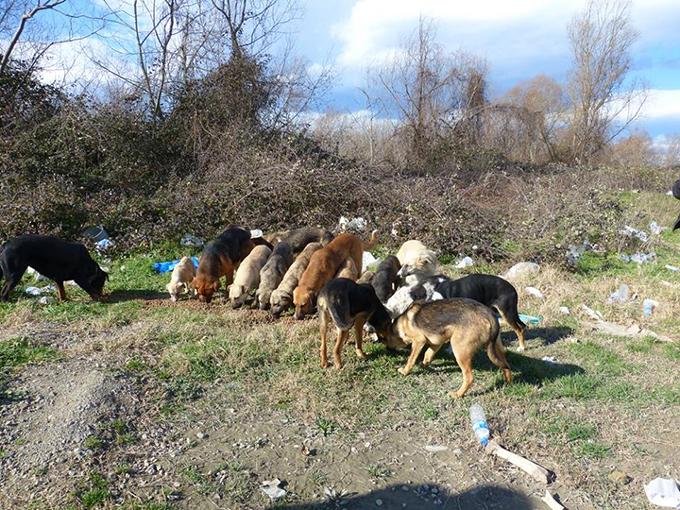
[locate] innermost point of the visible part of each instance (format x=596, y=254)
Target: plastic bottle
x=648, y=306
x=479, y=425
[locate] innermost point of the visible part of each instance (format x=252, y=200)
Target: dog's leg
x=463, y=357
x=12, y=279
x=62, y=292
x=496, y=354
x=324, y=338
x=337, y=351
x=417, y=345
x=359, y=334
x=512, y=319
x=430, y=353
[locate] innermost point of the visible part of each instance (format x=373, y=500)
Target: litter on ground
x=564, y=310
x=638, y=258
x=534, y=292
x=620, y=296
x=358, y=224
x=522, y=269
x=38, y=291
x=465, y=262
x=192, y=240
x=629, y=231
x=166, y=267
x=272, y=488
x=532, y=320
x=663, y=492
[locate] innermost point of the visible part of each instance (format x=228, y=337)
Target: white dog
x=181, y=278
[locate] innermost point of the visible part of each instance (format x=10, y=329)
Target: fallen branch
x=537, y=472
x=549, y=500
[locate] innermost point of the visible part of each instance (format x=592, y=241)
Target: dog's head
x=205, y=287
x=304, y=300
x=94, y=284
x=173, y=290
x=280, y=301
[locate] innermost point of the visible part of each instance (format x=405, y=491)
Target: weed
x=93, y=442
x=379, y=472
x=95, y=492
x=19, y=351
x=325, y=426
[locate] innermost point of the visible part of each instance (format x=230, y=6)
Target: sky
x=518, y=39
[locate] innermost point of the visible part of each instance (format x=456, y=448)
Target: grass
x=94, y=493
x=15, y=352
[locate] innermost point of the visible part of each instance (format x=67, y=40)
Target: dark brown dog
x=220, y=258
x=323, y=266
x=466, y=324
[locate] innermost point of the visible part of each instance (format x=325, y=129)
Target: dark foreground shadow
x=548, y=335
x=419, y=497
x=119, y=296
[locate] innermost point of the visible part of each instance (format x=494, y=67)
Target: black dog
x=349, y=304
x=676, y=194
x=54, y=258
x=489, y=290
x=384, y=280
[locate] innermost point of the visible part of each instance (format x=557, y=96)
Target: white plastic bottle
x=479, y=425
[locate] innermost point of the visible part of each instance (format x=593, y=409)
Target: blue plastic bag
x=166, y=267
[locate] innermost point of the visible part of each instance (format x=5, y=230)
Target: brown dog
x=298, y=238
x=466, y=324
x=348, y=270
x=220, y=258
x=323, y=266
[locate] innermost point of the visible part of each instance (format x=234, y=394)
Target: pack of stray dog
x=405, y=300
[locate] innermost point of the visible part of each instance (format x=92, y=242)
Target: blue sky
x=518, y=39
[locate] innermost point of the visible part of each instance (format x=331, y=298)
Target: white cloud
x=661, y=104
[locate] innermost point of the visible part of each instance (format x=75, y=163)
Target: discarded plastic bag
x=272, y=488
x=648, y=307
x=166, y=267
x=192, y=240
x=358, y=224
x=530, y=319
x=629, y=231
x=663, y=492
x=465, y=262
x=534, y=292
x=103, y=245
x=620, y=296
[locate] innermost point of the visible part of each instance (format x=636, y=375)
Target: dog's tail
x=372, y=241
x=338, y=306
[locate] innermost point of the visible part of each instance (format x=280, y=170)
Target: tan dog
x=324, y=265
x=181, y=278
x=466, y=324
x=282, y=298
x=415, y=257
x=247, y=276
x=348, y=270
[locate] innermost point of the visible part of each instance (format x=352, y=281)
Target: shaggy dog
x=247, y=277
x=220, y=258
x=53, y=258
x=349, y=305
x=385, y=279
x=272, y=273
x=466, y=324
x=415, y=257
x=348, y=270
x=300, y=237
x=181, y=278
x=324, y=265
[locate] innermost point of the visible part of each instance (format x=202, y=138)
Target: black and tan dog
x=466, y=324
x=385, y=279
x=348, y=304
x=54, y=258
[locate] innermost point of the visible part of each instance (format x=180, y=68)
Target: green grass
x=94, y=493
x=15, y=352
x=93, y=442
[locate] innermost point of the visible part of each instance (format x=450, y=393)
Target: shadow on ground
x=119, y=296
x=423, y=497
x=548, y=335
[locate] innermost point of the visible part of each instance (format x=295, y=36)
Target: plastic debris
x=356, y=224
x=648, y=307
x=592, y=313
x=532, y=320
x=433, y=448
x=367, y=259
x=192, y=240
x=38, y=291
x=655, y=228
x=166, y=267
x=465, y=262
x=639, y=257
x=576, y=251
x=255, y=233
x=46, y=300
x=103, y=245
x=663, y=492
x=96, y=233
x=36, y=275
x=620, y=296
x=564, y=310
x=522, y=269
x=534, y=292
x=672, y=268
x=549, y=359
x=629, y=231
x=272, y=488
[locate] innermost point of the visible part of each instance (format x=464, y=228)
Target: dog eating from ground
x=490, y=290
x=298, y=238
x=181, y=278
x=282, y=298
x=348, y=270
x=466, y=324
x=323, y=266
x=349, y=305
x=386, y=277
x=272, y=273
x=221, y=258
x=247, y=277
x=415, y=258
x=53, y=258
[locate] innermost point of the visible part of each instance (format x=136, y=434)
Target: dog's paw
x=456, y=394
x=521, y=348
x=403, y=371
x=361, y=354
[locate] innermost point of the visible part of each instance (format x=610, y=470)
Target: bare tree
x=601, y=38
x=435, y=95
